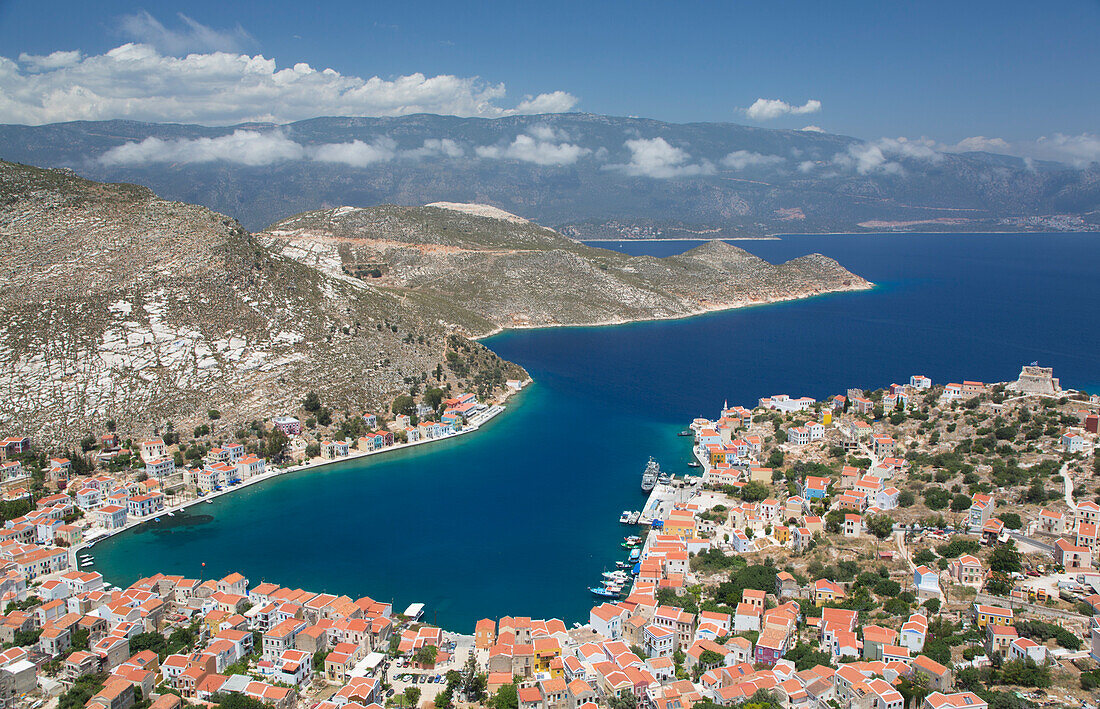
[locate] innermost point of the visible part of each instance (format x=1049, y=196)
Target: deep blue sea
x=520, y=517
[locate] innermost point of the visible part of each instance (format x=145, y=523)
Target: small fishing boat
x=209, y=502
x=156, y=519
x=601, y=592
x=695, y=464
x=624, y=518
x=623, y=564
x=685, y=432
x=171, y=514
x=86, y=563
x=635, y=554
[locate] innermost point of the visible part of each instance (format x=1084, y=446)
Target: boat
x=664, y=479
x=623, y=564
x=171, y=514
x=685, y=432
x=650, y=474
x=624, y=518
x=615, y=575
x=695, y=464
x=209, y=502
x=601, y=592
x=635, y=554
x=86, y=563
x=156, y=519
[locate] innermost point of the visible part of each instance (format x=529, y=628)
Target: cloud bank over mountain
x=140, y=81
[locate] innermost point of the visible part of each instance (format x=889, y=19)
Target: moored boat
x=650, y=474
x=601, y=592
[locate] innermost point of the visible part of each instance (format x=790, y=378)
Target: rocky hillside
x=508, y=272
x=118, y=305
x=115, y=304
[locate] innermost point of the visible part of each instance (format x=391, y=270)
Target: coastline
x=717, y=308
x=779, y=235
x=473, y=426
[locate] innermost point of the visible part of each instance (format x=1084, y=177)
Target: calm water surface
x=520, y=517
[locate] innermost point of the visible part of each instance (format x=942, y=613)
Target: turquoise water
x=520, y=517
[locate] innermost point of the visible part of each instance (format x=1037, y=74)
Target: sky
x=1014, y=77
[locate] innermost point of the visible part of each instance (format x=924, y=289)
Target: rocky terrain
x=509, y=272
x=115, y=304
x=118, y=305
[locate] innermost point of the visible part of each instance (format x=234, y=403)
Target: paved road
x=1031, y=541
x=1030, y=607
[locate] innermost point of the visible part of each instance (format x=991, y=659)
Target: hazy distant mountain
x=587, y=175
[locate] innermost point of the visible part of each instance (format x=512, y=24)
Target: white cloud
x=766, y=109
x=436, y=147
x=541, y=145
x=192, y=37
x=356, y=153
x=813, y=129
x=981, y=143
x=241, y=146
x=53, y=60
x=254, y=148
x=1078, y=150
x=741, y=159
x=874, y=156
x=806, y=166
x=140, y=82
x=654, y=157
x=553, y=102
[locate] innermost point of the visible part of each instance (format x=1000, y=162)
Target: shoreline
x=683, y=316
x=475, y=425
x=776, y=236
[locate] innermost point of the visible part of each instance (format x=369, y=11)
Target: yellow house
x=681, y=523
x=826, y=591
x=782, y=534
x=986, y=615
x=546, y=650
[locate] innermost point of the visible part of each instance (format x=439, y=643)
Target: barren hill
x=521, y=274
x=116, y=304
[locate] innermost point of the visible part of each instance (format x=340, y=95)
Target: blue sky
x=1009, y=70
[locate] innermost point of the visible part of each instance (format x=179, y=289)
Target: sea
x=521, y=517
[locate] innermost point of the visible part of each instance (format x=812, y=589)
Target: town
x=920, y=545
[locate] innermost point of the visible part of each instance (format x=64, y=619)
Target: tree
x=933, y=605
x=709, y=658
x=214, y=414
x=433, y=397
x=148, y=641
x=960, y=503
x=404, y=404
x=235, y=700
x=1011, y=520
x=311, y=402
x=1005, y=559
x=1025, y=673
x=505, y=698
x=936, y=498
x=626, y=701
x=276, y=444
x=412, y=695
x=881, y=526
x=426, y=655
x=906, y=498
x=84, y=688
x=754, y=491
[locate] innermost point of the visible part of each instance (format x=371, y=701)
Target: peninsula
x=122, y=307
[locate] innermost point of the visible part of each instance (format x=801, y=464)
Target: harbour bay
x=521, y=516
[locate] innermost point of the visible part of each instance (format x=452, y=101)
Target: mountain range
x=588, y=176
